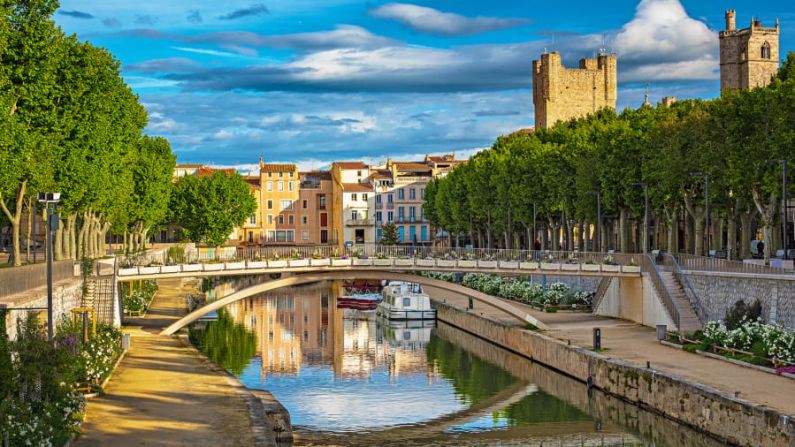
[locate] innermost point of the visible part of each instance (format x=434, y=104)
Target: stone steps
x=688, y=319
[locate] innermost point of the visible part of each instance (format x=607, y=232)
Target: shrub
x=742, y=312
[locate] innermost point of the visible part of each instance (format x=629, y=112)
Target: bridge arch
x=307, y=278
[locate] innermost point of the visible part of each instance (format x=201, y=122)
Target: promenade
x=165, y=394
x=638, y=344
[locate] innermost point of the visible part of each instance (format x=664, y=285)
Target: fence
x=701, y=263
x=648, y=265
x=15, y=280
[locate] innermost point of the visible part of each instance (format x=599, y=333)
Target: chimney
x=731, y=20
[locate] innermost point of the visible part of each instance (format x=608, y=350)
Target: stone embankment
x=728, y=418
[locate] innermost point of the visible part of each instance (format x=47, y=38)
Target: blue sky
x=312, y=81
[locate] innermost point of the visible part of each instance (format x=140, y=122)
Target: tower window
x=766, y=51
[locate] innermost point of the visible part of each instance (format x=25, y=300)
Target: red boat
x=360, y=302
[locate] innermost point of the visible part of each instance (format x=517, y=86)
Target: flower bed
x=752, y=342
x=137, y=302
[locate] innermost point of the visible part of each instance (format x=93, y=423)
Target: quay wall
x=725, y=417
x=66, y=295
x=718, y=293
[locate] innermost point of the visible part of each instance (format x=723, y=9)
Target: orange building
x=279, y=195
x=314, y=208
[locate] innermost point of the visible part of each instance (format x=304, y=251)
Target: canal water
x=349, y=378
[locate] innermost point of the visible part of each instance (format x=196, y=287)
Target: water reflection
x=348, y=379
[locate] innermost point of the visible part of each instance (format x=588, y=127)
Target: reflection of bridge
x=307, y=278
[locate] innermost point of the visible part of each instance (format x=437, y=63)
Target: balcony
x=360, y=222
x=390, y=205
x=321, y=206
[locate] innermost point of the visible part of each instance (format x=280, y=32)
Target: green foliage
x=787, y=70
x=176, y=255
x=389, y=234
x=225, y=342
x=141, y=297
x=741, y=312
x=208, y=208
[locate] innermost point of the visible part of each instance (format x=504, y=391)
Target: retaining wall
x=730, y=419
x=66, y=295
x=719, y=293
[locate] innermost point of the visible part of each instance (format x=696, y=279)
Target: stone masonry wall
x=66, y=296
x=718, y=294
x=725, y=417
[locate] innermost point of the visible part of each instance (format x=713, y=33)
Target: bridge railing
x=702, y=263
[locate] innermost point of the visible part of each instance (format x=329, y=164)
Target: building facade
x=561, y=93
x=279, y=197
x=749, y=57
x=314, y=208
x=352, y=194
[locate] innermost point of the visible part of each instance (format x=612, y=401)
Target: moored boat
x=405, y=301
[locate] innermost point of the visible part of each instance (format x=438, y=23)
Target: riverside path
x=163, y=393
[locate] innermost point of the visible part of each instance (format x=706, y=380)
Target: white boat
x=405, y=301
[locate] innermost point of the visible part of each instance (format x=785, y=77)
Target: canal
x=348, y=378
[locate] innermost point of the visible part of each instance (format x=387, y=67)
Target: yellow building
x=279, y=195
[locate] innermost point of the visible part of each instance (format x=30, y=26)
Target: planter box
x=192, y=268
x=128, y=271
x=382, y=262
x=236, y=265
x=513, y=265
x=319, y=262
x=487, y=264
x=611, y=268
x=340, y=262
x=277, y=264
x=425, y=262
x=358, y=261
x=148, y=270
x=590, y=267
x=528, y=265
x=170, y=269
x=446, y=262
x=550, y=266
x=404, y=262
x=257, y=264
x=570, y=267
x=631, y=269
x=213, y=267
x=467, y=264
x=298, y=262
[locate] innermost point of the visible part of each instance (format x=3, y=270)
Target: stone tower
x=561, y=93
x=748, y=57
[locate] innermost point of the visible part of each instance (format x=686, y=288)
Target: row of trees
x=69, y=123
x=553, y=178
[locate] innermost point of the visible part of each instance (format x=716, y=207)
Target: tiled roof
x=357, y=187
x=204, y=170
x=381, y=174
x=277, y=167
x=351, y=164
x=411, y=166
x=320, y=175
x=252, y=181
x=188, y=165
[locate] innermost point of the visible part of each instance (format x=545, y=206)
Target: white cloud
x=206, y=52
x=663, y=43
x=433, y=21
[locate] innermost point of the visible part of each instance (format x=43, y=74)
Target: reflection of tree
x=472, y=378
x=542, y=407
x=226, y=343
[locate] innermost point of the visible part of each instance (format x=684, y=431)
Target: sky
x=313, y=81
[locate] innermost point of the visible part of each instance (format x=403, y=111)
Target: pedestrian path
x=638, y=344
x=163, y=394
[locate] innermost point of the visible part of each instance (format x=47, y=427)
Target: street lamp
x=784, y=202
x=598, y=220
x=645, y=187
x=47, y=199
x=706, y=193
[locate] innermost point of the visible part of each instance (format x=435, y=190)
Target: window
x=281, y=174
x=291, y=219
x=281, y=220
x=291, y=173
x=401, y=194
x=252, y=220
x=354, y=215
x=304, y=220
x=270, y=174
x=321, y=200
x=304, y=235
x=378, y=200
x=364, y=197
x=281, y=236
x=304, y=204
x=353, y=197
x=281, y=186
x=424, y=233
x=323, y=236
x=269, y=185
x=378, y=216
x=270, y=219
x=286, y=204
x=766, y=51
x=412, y=194
x=290, y=185
x=358, y=173
x=401, y=212
x=389, y=198
x=390, y=216
x=323, y=219
x=406, y=302
x=412, y=213
x=422, y=193
x=401, y=233
x=270, y=204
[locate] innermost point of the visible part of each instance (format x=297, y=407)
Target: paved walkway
x=163, y=393
x=638, y=344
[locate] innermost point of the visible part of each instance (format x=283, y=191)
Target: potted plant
x=214, y=265
x=297, y=259
x=342, y=261
x=382, y=260
x=277, y=262
x=193, y=266
x=528, y=264
x=404, y=261
x=571, y=264
x=318, y=259
x=257, y=263
x=447, y=260
x=173, y=268
x=128, y=268
x=610, y=265
x=151, y=269
x=425, y=262
x=362, y=259
x=234, y=264
x=510, y=262
x=469, y=262
x=487, y=262
x=589, y=266
x=633, y=267
x=549, y=262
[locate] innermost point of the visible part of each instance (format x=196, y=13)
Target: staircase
x=688, y=319
x=99, y=296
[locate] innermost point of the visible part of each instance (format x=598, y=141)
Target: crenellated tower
x=749, y=57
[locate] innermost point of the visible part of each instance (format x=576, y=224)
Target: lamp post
x=785, y=207
x=707, y=218
x=47, y=199
x=598, y=220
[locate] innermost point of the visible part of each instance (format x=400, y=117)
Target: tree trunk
x=59, y=243
x=623, y=231
x=767, y=215
x=14, y=219
x=699, y=215
x=731, y=232
x=672, y=223
x=72, y=221
x=746, y=231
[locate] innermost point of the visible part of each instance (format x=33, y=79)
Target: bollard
x=597, y=339
x=662, y=332
x=471, y=303
x=125, y=342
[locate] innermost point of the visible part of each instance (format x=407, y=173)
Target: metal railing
x=671, y=262
x=359, y=222
x=20, y=279
x=702, y=263
x=649, y=266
